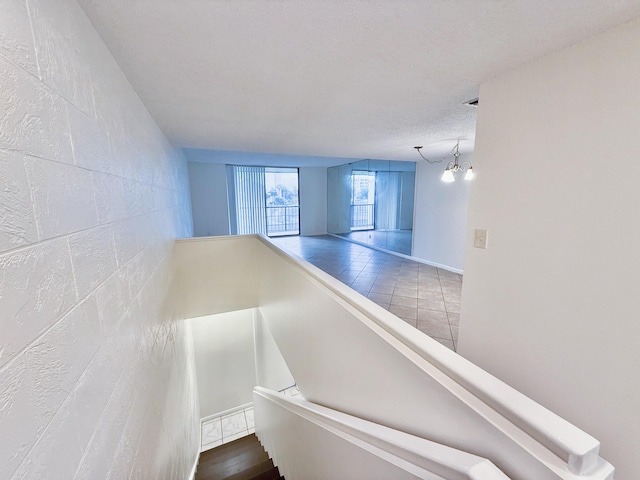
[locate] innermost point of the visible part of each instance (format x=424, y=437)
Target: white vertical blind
x=388, y=190
x=249, y=201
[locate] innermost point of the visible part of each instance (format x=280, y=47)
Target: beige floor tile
x=387, y=289
x=435, y=330
x=405, y=292
x=407, y=285
x=428, y=304
x=380, y=298
x=386, y=280
x=453, y=307
x=404, y=301
x=410, y=321
x=454, y=319
x=429, y=287
x=436, y=296
x=433, y=316
x=404, y=312
x=421, y=295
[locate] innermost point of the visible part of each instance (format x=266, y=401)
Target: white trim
x=497, y=403
x=417, y=456
x=402, y=255
x=560, y=437
x=228, y=411
x=195, y=466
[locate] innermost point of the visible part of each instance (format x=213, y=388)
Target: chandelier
x=452, y=167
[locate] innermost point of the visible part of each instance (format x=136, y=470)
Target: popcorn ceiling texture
x=96, y=369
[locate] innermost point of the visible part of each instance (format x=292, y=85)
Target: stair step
x=271, y=474
x=254, y=472
x=242, y=459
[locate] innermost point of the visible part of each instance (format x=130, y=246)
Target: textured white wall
x=440, y=218
x=551, y=306
x=95, y=370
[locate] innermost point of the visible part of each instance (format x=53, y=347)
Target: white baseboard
x=228, y=411
x=402, y=255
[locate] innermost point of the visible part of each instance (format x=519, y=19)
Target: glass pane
x=282, y=201
x=363, y=194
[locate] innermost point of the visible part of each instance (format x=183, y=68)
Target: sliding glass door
x=283, y=202
x=363, y=194
x=263, y=200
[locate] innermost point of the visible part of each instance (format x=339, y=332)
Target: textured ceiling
x=359, y=79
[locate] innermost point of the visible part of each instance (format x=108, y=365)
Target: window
x=363, y=194
x=263, y=200
x=283, y=205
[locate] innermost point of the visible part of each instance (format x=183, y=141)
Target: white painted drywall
x=209, y=200
x=339, y=198
x=271, y=369
x=551, y=306
x=440, y=216
x=332, y=444
x=350, y=354
x=407, y=197
x=225, y=360
x=203, y=290
x=96, y=376
x=313, y=200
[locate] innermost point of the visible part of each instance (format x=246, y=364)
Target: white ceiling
x=358, y=79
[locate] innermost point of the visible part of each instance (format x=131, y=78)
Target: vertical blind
x=247, y=197
x=388, y=192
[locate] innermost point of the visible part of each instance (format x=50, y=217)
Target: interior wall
x=339, y=198
x=209, y=199
x=225, y=360
x=551, y=306
x=313, y=200
x=198, y=257
x=440, y=216
x=272, y=371
x=407, y=197
x=96, y=376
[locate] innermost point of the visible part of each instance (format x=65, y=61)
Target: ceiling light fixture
x=452, y=167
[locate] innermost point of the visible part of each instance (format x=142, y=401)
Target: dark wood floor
x=242, y=459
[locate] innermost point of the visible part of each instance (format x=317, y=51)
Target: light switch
x=480, y=238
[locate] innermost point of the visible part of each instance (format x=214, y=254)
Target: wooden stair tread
x=262, y=471
x=242, y=459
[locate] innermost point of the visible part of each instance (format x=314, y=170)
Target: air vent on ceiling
x=473, y=103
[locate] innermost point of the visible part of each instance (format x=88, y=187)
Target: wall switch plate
x=480, y=238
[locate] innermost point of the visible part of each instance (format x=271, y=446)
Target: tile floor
x=233, y=425
x=394, y=240
x=425, y=297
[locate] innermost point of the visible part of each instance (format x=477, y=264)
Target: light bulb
x=470, y=175
x=447, y=176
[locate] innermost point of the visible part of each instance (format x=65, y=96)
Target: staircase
x=242, y=459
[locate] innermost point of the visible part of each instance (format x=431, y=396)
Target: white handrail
x=461, y=405
x=574, y=446
x=389, y=444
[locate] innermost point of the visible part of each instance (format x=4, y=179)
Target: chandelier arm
x=431, y=162
x=465, y=165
